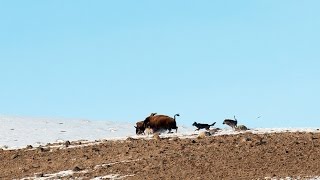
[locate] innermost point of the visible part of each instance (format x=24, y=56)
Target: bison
x=161, y=122
x=141, y=127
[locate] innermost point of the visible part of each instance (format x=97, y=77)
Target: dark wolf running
x=203, y=126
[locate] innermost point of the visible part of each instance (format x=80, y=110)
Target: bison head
x=140, y=127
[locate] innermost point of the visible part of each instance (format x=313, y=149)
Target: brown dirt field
x=243, y=156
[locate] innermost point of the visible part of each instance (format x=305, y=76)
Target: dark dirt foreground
x=243, y=156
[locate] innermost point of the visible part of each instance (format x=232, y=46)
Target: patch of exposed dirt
x=242, y=156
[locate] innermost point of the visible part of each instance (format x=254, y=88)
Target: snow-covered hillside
x=18, y=132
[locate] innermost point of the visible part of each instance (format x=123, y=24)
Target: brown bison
x=141, y=127
x=161, y=122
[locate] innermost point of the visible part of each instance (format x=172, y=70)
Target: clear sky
x=122, y=60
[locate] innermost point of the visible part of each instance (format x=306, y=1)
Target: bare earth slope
x=242, y=156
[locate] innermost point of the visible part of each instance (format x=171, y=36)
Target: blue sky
x=122, y=60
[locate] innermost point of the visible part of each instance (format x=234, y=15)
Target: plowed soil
x=242, y=156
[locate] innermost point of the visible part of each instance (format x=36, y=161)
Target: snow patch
x=290, y=178
x=57, y=175
x=112, y=176
x=110, y=164
x=18, y=132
